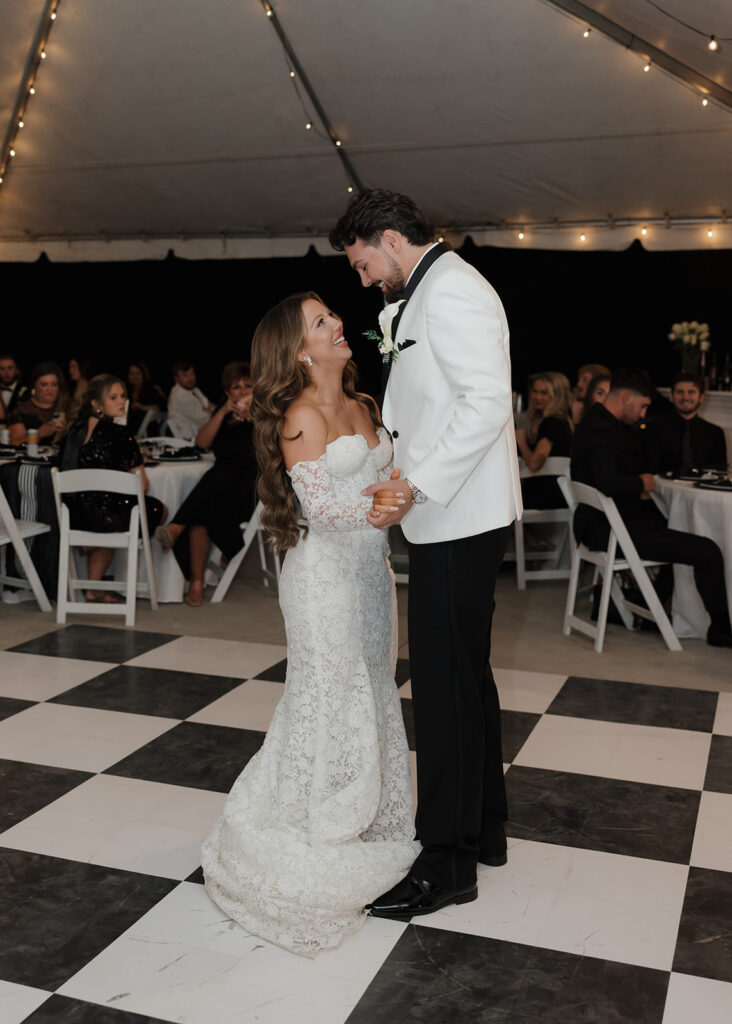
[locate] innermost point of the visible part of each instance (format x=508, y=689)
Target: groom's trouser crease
x=461, y=787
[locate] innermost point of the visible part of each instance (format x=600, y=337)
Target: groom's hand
x=389, y=505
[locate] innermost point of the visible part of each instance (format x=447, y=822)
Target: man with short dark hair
x=188, y=407
x=12, y=390
x=607, y=454
x=679, y=439
x=448, y=407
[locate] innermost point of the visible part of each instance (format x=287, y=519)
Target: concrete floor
x=527, y=633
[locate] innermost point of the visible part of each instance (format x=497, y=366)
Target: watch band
x=418, y=497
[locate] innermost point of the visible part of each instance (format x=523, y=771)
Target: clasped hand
x=389, y=506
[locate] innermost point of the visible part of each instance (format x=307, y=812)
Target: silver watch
x=417, y=496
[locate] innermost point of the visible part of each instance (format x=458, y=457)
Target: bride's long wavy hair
x=279, y=377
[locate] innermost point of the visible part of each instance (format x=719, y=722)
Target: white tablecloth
x=706, y=514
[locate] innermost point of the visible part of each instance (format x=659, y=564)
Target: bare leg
x=99, y=560
x=200, y=547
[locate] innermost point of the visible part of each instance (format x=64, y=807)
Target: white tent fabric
x=175, y=124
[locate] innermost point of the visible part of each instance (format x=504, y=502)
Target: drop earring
x=308, y=360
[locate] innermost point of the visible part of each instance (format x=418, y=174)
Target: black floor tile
x=58, y=914
x=26, y=788
x=275, y=673
x=636, y=704
x=719, y=766
x=434, y=977
x=402, y=674
x=192, y=754
x=59, y=1009
x=408, y=716
x=704, y=944
x=148, y=691
x=10, y=706
x=95, y=643
x=515, y=729
x=606, y=815
x=196, y=876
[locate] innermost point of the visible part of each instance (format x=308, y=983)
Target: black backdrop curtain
x=564, y=308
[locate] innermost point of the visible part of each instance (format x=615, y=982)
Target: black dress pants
x=461, y=788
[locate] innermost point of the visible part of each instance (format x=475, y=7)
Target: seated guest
x=608, y=454
x=224, y=497
x=95, y=441
x=679, y=439
x=584, y=376
x=188, y=407
x=597, y=391
x=549, y=433
x=79, y=367
x=12, y=389
x=46, y=409
x=143, y=394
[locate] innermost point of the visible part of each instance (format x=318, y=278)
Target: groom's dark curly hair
x=377, y=210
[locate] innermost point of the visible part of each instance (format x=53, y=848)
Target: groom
x=448, y=407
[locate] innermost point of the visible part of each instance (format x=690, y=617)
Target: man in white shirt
x=188, y=407
x=12, y=391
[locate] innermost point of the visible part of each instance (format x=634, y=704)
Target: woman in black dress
x=143, y=394
x=46, y=410
x=549, y=433
x=95, y=441
x=224, y=497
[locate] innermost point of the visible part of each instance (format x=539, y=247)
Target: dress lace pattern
x=320, y=822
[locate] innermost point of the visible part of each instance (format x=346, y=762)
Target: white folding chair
x=607, y=563
x=154, y=419
x=16, y=532
x=250, y=530
x=136, y=536
x=556, y=466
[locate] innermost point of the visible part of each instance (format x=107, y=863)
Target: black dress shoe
x=493, y=860
x=413, y=897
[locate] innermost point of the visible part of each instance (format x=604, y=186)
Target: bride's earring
x=308, y=360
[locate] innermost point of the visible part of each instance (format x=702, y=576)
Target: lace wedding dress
x=320, y=822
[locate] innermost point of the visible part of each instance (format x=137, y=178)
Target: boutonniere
x=385, y=340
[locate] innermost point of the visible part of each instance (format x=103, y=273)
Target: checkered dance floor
x=118, y=748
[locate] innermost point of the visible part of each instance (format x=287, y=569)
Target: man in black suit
x=607, y=454
x=679, y=439
x=12, y=391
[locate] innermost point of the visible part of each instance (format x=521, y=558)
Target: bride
x=320, y=822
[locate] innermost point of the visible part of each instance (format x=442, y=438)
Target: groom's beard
x=395, y=283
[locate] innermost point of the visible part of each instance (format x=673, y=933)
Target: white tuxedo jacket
x=448, y=406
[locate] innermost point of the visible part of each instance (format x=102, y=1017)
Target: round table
x=706, y=514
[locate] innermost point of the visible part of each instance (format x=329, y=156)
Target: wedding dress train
x=320, y=822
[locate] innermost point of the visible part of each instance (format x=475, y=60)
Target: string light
x=441, y=238
x=350, y=188
x=521, y=236
x=292, y=74
x=27, y=88
x=586, y=33
x=338, y=142
x=647, y=66
x=583, y=238
x=644, y=231
x=705, y=101
x=710, y=233
x=713, y=44
x=308, y=125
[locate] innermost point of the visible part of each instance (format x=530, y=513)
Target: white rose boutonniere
x=385, y=340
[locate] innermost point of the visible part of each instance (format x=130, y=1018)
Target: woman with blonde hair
x=549, y=433
x=320, y=822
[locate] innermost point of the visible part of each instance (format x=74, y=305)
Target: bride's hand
x=388, y=506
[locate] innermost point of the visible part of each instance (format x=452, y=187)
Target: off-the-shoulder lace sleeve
x=323, y=510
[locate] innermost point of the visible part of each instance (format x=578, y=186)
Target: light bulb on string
x=350, y=188
x=521, y=236
x=11, y=152
x=710, y=233
x=644, y=231
x=32, y=91
x=441, y=238
x=292, y=74
x=586, y=33
x=647, y=66
x=583, y=237
x=53, y=16
x=338, y=142
x=21, y=124
x=43, y=54
x=713, y=44
x=705, y=101
x=308, y=125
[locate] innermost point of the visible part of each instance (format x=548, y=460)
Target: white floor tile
x=723, y=718
x=72, y=737
x=18, y=1001
x=184, y=961
x=249, y=706
x=638, y=753
x=713, y=837
x=38, y=677
x=234, y=658
x=527, y=691
x=692, y=1000
x=592, y=904
x=123, y=823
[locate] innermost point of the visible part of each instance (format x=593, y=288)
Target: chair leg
x=262, y=558
x=655, y=607
x=607, y=582
x=518, y=532
x=31, y=575
x=132, y=557
x=572, y=590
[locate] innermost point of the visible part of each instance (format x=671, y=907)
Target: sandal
x=163, y=538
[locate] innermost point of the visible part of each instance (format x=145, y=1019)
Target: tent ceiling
x=179, y=119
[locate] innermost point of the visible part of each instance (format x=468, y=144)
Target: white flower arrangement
x=385, y=340
x=690, y=334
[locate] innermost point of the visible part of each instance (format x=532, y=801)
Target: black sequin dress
x=111, y=446
x=224, y=497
